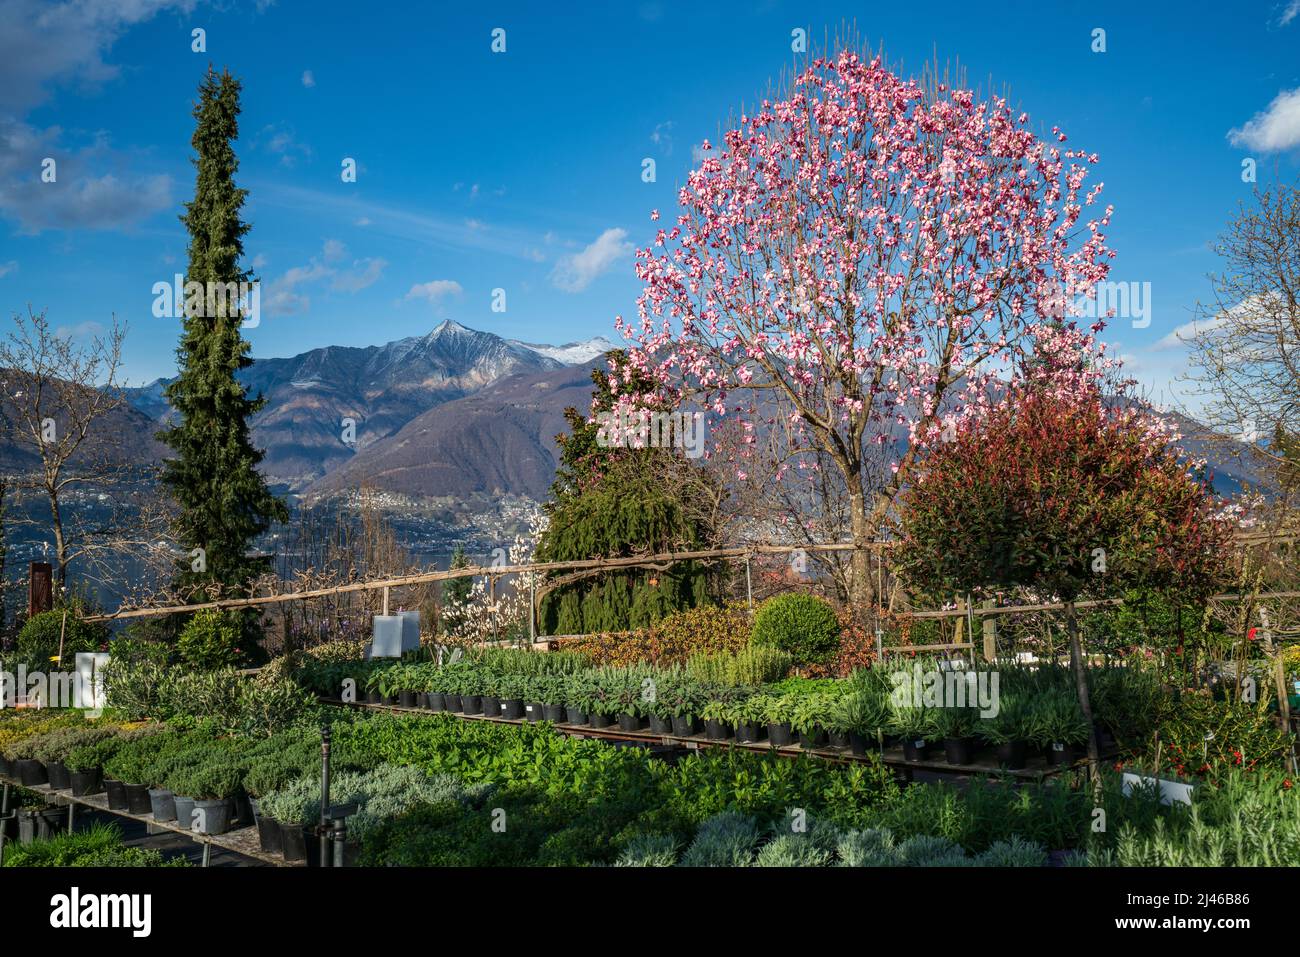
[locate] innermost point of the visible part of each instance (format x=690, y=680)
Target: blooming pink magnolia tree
x=860, y=262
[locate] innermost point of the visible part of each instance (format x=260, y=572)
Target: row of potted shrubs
x=1037, y=708
x=206, y=783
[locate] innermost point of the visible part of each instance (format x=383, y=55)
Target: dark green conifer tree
x=224, y=502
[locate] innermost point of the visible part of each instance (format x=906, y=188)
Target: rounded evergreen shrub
x=38, y=641
x=803, y=626
x=210, y=639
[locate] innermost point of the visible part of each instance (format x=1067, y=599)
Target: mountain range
x=327, y=408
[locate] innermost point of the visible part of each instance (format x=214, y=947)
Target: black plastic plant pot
x=241, y=811
x=471, y=704
x=857, y=744
x=293, y=843
x=553, y=713
x=374, y=697
x=1059, y=754
x=660, y=725
x=406, y=699
x=116, y=794
x=601, y=720
x=576, y=715
x=490, y=705
x=162, y=804
x=6, y=767
x=1011, y=755
x=389, y=699
x=839, y=739
x=780, y=734
x=716, y=729
x=957, y=750
x=512, y=709
x=684, y=726
x=533, y=712
x=916, y=749
x=31, y=772
x=86, y=782
x=748, y=732
x=60, y=780
x=810, y=741
x=137, y=799
x=629, y=722
x=451, y=702
x=437, y=701
x=269, y=835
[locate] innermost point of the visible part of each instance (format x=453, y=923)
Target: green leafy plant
x=211, y=639
x=803, y=626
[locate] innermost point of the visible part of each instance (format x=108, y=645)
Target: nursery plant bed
x=243, y=841
x=1035, y=769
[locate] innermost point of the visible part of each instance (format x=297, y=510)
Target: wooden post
x=749, y=587
x=40, y=588
x=990, y=633
x=532, y=609
x=385, y=600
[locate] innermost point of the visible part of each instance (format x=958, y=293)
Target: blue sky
x=522, y=170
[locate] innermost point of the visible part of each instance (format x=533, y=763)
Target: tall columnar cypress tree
x=224, y=502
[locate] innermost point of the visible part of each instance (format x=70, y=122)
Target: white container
x=1171, y=792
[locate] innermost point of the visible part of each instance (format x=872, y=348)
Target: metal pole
x=749, y=587
x=324, y=795
x=339, y=836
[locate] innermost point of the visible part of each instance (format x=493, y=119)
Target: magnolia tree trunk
x=860, y=593
x=1081, y=686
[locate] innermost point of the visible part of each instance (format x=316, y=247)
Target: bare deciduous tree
x=56, y=392
x=1246, y=339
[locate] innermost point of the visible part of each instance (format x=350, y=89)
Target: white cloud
x=1290, y=13
x=95, y=187
x=284, y=298
x=7, y=268
x=576, y=272
x=307, y=79
x=662, y=136
x=1277, y=128
x=1178, y=339
x=434, y=290
x=284, y=144
x=44, y=44
x=364, y=272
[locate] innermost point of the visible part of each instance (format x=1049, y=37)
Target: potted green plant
x=549, y=689
x=780, y=714
x=915, y=727
x=602, y=704
x=679, y=700
x=1061, y=727
x=491, y=692
x=860, y=716
x=511, y=689
x=749, y=716
x=811, y=712
x=577, y=698
x=715, y=714
x=1005, y=732
x=956, y=726
x=211, y=787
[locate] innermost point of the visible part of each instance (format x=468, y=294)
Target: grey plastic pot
x=211, y=817
x=184, y=811
x=163, y=804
